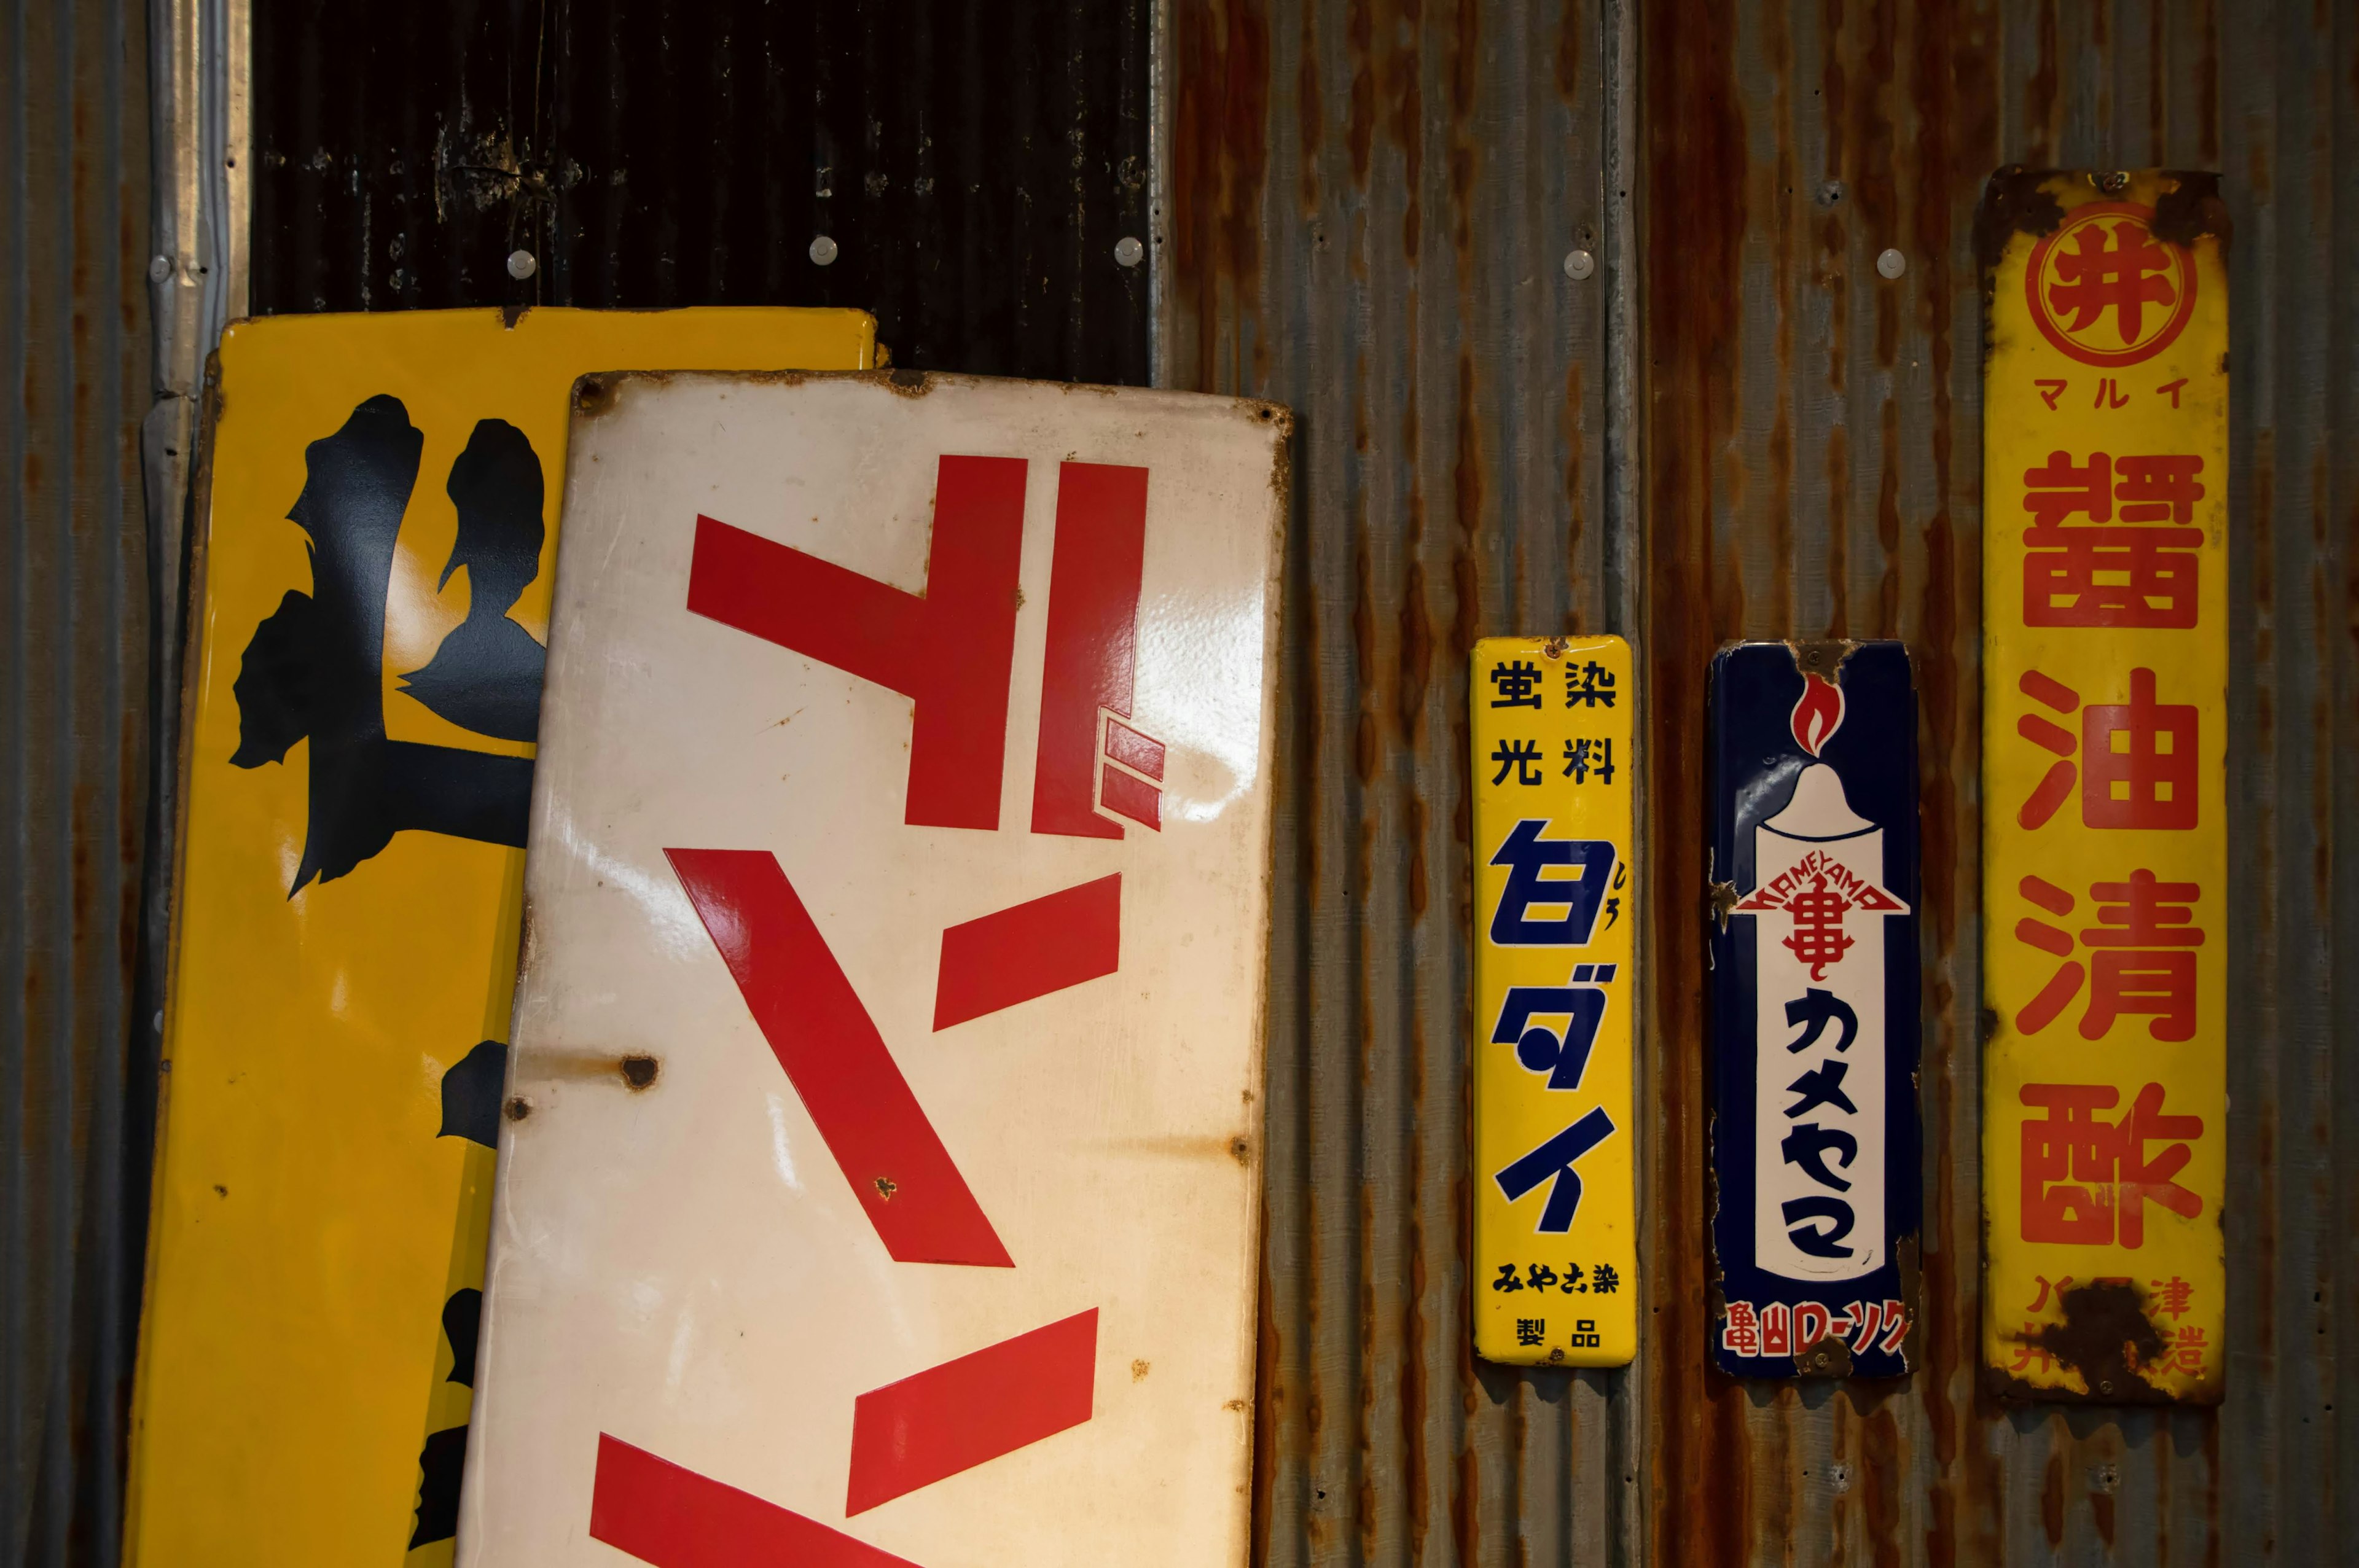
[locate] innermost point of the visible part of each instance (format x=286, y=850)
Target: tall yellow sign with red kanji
x=2104, y=742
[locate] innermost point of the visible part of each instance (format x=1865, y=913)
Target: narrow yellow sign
x=374, y=555
x=1555, y=906
x=2105, y=931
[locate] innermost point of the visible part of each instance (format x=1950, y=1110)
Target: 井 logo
x=2104, y=290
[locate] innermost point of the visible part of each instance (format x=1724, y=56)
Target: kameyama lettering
x=1814, y=953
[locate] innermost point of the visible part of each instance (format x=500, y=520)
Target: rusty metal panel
x=1813, y=460
x=74, y=702
x=974, y=170
x=1370, y=203
x=1373, y=209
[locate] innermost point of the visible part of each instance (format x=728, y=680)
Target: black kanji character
x=1518, y=684
x=1518, y=756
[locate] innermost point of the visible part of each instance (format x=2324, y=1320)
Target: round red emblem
x=2104, y=290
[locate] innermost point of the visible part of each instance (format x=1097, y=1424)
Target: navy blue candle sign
x=1815, y=1146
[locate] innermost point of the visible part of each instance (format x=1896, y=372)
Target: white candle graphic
x=1819, y=909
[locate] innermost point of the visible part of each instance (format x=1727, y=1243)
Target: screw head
x=1579, y=266
x=1891, y=263
x=1128, y=251
x=160, y=269
x=822, y=251
x=2114, y=182
x=522, y=265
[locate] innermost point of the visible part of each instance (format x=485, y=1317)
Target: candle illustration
x=1818, y=910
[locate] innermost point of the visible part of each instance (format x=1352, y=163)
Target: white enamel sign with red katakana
x=880, y=1172
x=2106, y=941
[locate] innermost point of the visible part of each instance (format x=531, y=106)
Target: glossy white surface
x=685, y=1266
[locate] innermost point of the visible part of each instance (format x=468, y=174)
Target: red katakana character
x=2138, y=759
x=2059, y=490
x=2070, y=1160
x=2103, y=272
x=2039, y=1302
x=2187, y=1352
x=2158, y=489
x=2028, y=1349
x=1740, y=1334
x=2173, y=1295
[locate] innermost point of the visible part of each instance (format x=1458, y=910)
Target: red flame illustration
x=1819, y=713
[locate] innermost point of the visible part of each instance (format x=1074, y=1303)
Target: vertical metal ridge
x=1371, y=210
x=73, y=705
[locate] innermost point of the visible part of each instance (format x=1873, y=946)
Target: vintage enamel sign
x=1815, y=1142
x=373, y=550
x=2104, y=788
x=880, y=1176
x=1555, y=906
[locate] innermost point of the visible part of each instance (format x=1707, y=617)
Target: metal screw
x=822, y=251
x=521, y=264
x=160, y=269
x=2114, y=182
x=1892, y=264
x=1128, y=251
x=1579, y=266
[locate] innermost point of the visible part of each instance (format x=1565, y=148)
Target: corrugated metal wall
x=1372, y=203
x=1372, y=206
x=974, y=165
x=74, y=1117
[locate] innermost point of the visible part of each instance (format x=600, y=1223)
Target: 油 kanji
x=2086, y=1180
x=2136, y=759
x=2139, y=964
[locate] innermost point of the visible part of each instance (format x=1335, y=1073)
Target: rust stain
x=2190, y=209
x=1694, y=131
x=1269, y=1397
x=1219, y=163
x=639, y=1072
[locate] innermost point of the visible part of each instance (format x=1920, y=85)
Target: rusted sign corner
x=2190, y=209
x=2109, y=1337
x=2015, y=200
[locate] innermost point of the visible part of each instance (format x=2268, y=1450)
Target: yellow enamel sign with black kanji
x=1555, y=994
x=375, y=554
x=2105, y=925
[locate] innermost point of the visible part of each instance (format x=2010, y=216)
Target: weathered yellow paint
x=309, y=1224
x=2099, y=1283
x=1567, y=1297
